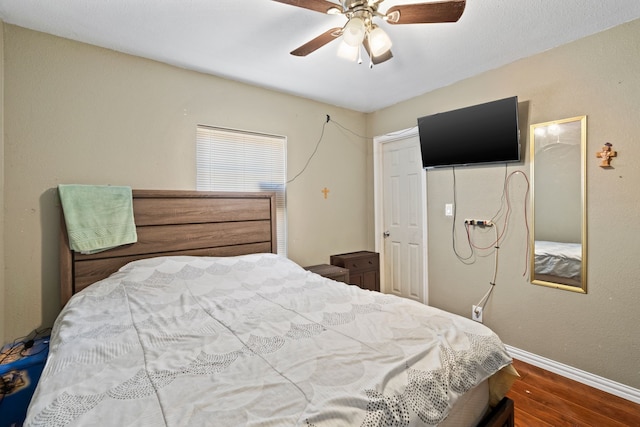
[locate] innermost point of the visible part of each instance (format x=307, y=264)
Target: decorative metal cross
x=325, y=191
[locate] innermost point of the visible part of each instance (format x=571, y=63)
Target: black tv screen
x=480, y=134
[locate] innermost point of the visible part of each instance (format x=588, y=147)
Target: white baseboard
x=595, y=381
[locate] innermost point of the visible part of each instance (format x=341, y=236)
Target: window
x=234, y=160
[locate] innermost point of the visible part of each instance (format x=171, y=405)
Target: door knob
x=386, y=234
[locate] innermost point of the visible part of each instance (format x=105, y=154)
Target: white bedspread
x=258, y=341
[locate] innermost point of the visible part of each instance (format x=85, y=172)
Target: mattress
x=254, y=340
x=470, y=408
x=558, y=259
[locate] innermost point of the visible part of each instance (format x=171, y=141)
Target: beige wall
x=75, y=113
x=597, y=332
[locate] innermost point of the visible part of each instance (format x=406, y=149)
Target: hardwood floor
x=543, y=398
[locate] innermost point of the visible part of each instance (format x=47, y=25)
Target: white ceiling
x=250, y=40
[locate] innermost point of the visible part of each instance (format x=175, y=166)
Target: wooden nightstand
x=363, y=266
x=330, y=272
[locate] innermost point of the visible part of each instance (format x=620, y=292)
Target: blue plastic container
x=19, y=380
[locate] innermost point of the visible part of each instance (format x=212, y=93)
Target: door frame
x=378, y=186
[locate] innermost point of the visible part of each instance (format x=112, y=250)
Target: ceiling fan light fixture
x=379, y=42
x=354, y=31
x=348, y=52
x=361, y=33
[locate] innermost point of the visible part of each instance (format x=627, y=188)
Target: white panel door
x=403, y=223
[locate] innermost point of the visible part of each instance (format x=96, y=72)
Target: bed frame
x=502, y=415
x=178, y=223
x=196, y=223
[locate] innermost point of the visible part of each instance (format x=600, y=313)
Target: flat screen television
x=479, y=134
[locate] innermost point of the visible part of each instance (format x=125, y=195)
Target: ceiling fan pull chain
x=369, y=50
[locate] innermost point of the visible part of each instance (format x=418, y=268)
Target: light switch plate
x=448, y=209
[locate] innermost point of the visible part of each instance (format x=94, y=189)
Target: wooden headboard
x=178, y=223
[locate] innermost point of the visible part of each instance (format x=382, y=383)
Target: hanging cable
x=504, y=193
x=347, y=129
x=470, y=258
x=507, y=201
x=315, y=150
x=492, y=283
x=324, y=124
x=506, y=210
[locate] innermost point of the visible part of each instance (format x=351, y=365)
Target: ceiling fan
x=361, y=30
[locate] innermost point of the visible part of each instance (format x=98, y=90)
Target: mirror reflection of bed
x=558, y=262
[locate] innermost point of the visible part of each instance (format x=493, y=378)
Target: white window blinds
x=234, y=160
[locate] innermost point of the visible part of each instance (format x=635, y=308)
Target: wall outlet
x=476, y=313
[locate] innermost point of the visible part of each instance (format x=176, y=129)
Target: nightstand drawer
x=363, y=266
x=357, y=262
x=365, y=263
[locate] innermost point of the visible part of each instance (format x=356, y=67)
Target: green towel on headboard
x=98, y=217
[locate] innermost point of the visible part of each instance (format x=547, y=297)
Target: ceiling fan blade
x=321, y=6
x=426, y=13
x=318, y=42
x=376, y=59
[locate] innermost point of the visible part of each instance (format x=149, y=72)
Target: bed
x=554, y=260
x=201, y=323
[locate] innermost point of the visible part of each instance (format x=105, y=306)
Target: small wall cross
x=325, y=191
x=606, y=154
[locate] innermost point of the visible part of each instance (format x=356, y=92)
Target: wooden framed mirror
x=558, y=203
